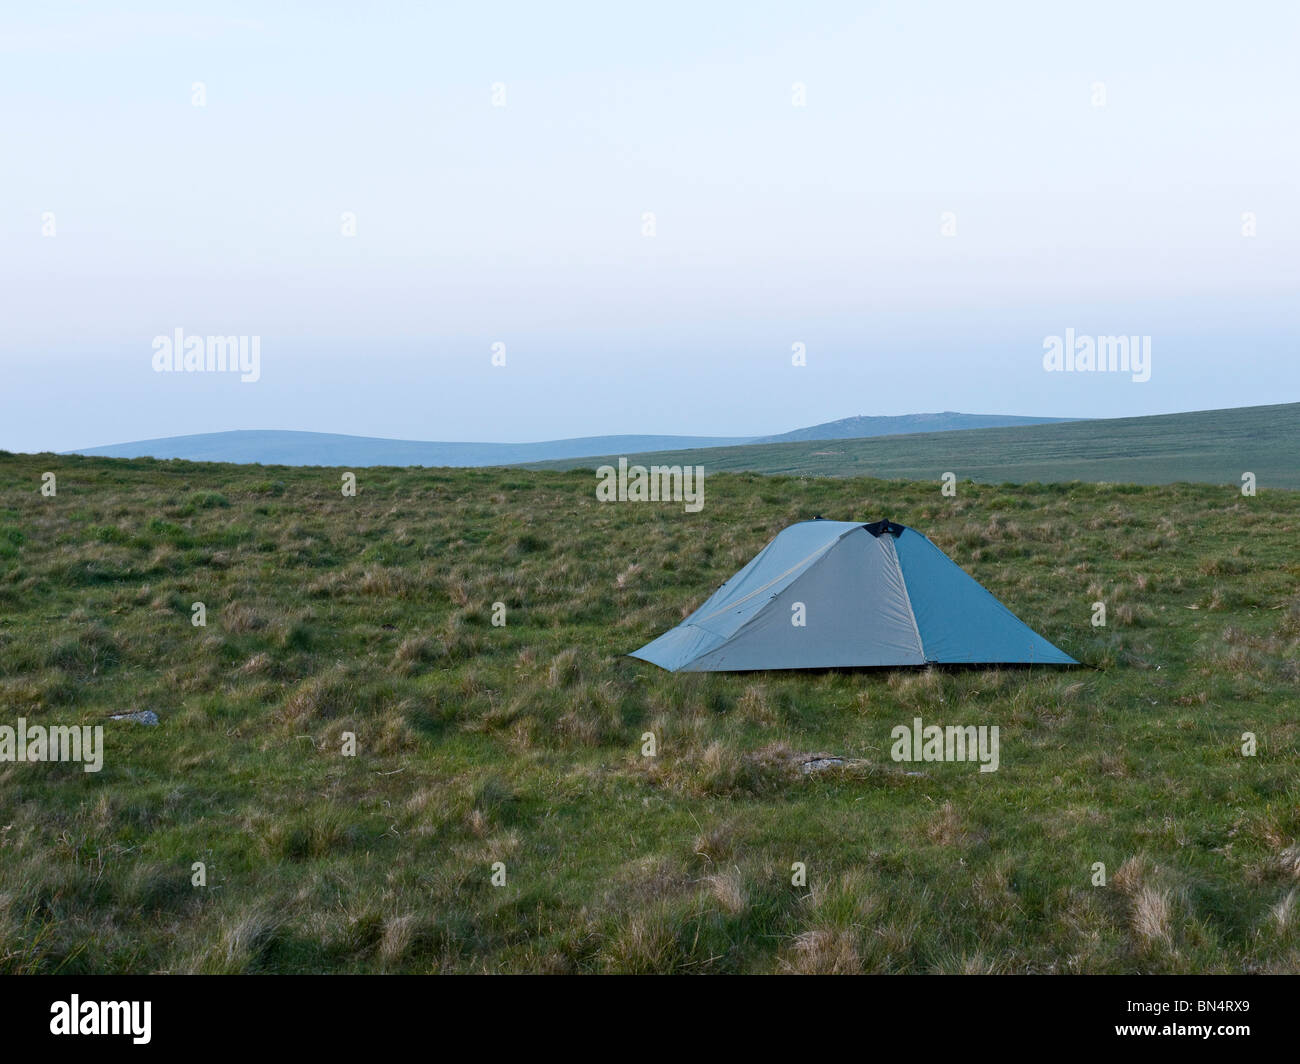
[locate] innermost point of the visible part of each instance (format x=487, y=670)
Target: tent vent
x=879, y=528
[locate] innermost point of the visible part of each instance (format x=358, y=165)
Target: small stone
x=143, y=716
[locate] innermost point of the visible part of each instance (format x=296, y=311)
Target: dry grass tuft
x=714, y=843
x=399, y=933
x=241, y=945
x=728, y=890
x=823, y=952
x=947, y=827
x=238, y=619
x=647, y=944
x=1150, y=915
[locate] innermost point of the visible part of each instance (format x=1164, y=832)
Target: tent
x=838, y=594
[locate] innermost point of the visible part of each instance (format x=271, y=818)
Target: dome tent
x=840, y=594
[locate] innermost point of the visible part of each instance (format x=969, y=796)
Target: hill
x=519, y=750
x=904, y=424
x=1209, y=446
x=273, y=447
x=324, y=448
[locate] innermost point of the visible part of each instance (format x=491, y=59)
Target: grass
x=522, y=744
x=1207, y=446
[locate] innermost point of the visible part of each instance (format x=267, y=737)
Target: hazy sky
x=1097, y=160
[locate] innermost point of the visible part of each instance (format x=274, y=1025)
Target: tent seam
x=907, y=598
x=762, y=610
x=759, y=590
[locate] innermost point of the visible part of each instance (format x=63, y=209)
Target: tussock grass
x=522, y=743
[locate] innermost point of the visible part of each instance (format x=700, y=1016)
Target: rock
x=143, y=716
x=819, y=763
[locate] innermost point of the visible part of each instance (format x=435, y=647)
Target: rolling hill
x=1208, y=446
x=274, y=447
x=904, y=424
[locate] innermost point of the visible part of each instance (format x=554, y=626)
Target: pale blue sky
x=775, y=224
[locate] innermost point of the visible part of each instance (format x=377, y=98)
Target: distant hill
x=329, y=449
x=903, y=424
x=1208, y=446
x=275, y=447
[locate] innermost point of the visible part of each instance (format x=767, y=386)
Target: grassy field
x=522, y=744
x=1208, y=446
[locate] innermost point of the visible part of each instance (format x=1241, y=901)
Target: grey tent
x=837, y=594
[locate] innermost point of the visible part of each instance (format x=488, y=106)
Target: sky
x=649, y=208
